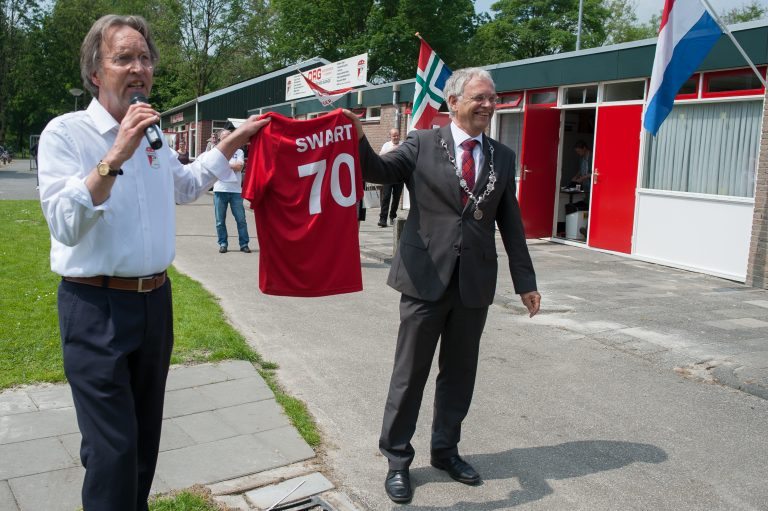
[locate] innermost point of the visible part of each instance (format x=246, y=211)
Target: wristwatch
x=104, y=170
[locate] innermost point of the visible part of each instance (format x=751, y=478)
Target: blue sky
x=646, y=8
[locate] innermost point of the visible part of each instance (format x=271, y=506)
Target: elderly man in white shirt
x=109, y=199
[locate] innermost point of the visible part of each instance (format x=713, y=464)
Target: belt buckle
x=141, y=288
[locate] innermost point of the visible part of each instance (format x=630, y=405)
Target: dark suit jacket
x=439, y=228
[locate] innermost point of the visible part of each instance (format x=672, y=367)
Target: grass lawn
x=30, y=350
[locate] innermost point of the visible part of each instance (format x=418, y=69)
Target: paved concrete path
x=622, y=394
x=599, y=403
x=221, y=422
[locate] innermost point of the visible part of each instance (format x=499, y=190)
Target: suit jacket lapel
x=452, y=182
x=482, y=176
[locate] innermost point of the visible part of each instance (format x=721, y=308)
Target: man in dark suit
x=446, y=269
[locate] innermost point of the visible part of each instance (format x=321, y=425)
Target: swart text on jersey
x=324, y=138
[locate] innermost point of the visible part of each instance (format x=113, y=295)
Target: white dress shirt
x=132, y=234
x=459, y=136
x=388, y=146
x=232, y=186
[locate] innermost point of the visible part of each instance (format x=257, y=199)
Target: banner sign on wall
x=351, y=72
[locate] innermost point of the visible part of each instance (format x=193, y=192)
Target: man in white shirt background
x=390, y=191
x=230, y=193
x=109, y=200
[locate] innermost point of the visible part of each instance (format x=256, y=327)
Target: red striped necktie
x=468, y=166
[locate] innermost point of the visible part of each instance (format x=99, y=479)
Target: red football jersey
x=303, y=180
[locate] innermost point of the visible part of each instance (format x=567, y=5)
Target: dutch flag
x=686, y=35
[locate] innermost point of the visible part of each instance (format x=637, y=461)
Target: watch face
x=103, y=169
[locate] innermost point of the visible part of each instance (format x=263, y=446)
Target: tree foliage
x=523, y=29
x=747, y=12
x=208, y=44
x=622, y=25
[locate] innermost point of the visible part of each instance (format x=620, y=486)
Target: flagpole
x=735, y=42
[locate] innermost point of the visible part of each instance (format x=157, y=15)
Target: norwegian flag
x=325, y=97
x=431, y=76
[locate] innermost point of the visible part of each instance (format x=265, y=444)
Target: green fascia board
x=725, y=55
x=633, y=61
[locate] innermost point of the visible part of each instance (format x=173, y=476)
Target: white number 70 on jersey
x=317, y=169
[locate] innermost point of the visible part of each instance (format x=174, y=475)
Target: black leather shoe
x=398, y=486
x=458, y=469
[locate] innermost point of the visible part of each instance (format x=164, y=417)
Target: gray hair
x=90, y=51
x=455, y=84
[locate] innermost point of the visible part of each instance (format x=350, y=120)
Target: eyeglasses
x=126, y=61
x=482, y=98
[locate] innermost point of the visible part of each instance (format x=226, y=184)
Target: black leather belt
x=137, y=284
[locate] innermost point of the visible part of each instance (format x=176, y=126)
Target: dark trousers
x=388, y=192
x=422, y=323
x=117, y=348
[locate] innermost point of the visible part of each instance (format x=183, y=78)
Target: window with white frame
x=580, y=95
x=709, y=148
x=624, y=91
x=372, y=113
x=511, y=133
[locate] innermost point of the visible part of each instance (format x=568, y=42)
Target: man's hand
x=355, y=121
x=137, y=119
x=532, y=302
x=241, y=135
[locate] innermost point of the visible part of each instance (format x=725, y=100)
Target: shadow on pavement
x=534, y=466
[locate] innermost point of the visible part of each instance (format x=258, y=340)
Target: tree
x=16, y=16
x=338, y=29
x=747, y=12
x=448, y=26
x=332, y=29
x=209, y=30
x=621, y=25
x=522, y=29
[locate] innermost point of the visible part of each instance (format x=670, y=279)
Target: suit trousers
x=117, y=348
x=422, y=324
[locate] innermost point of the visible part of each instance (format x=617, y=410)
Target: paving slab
x=184, y=377
x=7, y=500
x=16, y=401
x=32, y=457
x=57, y=490
x=52, y=397
x=236, y=392
x=41, y=424
x=204, y=427
x=217, y=461
x=252, y=417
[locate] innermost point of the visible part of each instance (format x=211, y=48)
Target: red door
x=538, y=166
x=614, y=177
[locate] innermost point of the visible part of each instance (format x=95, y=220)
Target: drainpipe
x=395, y=103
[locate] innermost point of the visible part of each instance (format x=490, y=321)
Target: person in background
x=183, y=155
x=390, y=191
x=583, y=176
x=230, y=194
x=110, y=203
x=462, y=185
